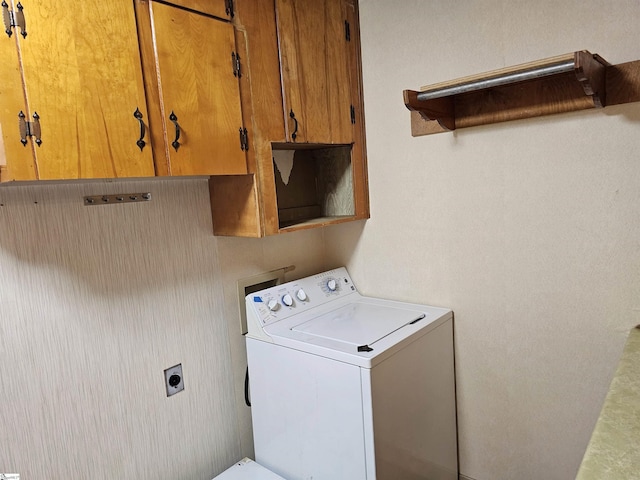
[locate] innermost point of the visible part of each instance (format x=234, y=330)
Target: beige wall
x=95, y=302
x=529, y=230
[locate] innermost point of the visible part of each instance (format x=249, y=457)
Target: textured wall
x=529, y=230
x=95, y=302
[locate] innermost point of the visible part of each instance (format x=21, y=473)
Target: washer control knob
x=273, y=305
x=332, y=285
x=302, y=295
x=287, y=300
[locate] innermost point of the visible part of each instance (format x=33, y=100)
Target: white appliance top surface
x=332, y=319
x=247, y=469
x=359, y=323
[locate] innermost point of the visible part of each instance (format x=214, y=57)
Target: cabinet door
x=217, y=8
x=315, y=70
x=83, y=78
x=16, y=159
x=200, y=98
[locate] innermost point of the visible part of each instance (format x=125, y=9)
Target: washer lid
x=359, y=323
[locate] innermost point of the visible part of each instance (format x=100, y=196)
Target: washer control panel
x=282, y=301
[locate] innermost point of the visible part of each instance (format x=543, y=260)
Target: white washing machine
x=348, y=387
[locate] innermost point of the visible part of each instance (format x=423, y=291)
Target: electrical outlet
x=174, y=380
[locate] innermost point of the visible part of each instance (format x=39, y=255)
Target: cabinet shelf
x=565, y=83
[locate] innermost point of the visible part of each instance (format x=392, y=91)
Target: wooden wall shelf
x=566, y=83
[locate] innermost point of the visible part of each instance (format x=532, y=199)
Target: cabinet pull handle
x=175, y=144
x=143, y=131
x=295, y=127
x=229, y=8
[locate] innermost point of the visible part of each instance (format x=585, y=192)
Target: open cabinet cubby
x=314, y=183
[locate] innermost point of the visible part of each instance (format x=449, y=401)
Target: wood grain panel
x=261, y=98
x=420, y=126
x=216, y=8
x=257, y=22
x=525, y=100
x=234, y=205
x=197, y=84
x=534, y=98
x=359, y=148
x=623, y=83
x=338, y=78
x=18, y=159
x=83, y=78
x=157, y=134
x=315, y=70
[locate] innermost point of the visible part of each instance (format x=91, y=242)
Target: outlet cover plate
x=173, y=384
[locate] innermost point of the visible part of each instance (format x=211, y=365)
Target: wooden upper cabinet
x=217, y=8
x=82, y=82
x=304, y=57
x=197, y=88
x=314, y=53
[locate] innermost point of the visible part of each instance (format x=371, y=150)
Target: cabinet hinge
x=13, y=18
x=353, y=114
x=347, y=30
x=29, y=129
x=229, y=8
x=235, y=63
x=244, y=139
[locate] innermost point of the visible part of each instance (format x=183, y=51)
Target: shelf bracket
x=591, y=73
x=438, y=109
